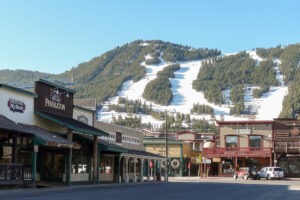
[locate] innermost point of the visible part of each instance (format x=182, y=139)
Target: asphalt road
x=160, y=191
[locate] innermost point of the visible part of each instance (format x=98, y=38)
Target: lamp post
x=167, y=152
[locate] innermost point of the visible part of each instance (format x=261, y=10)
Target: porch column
x=181, y=159
x=134, y=169
x=69, y=158
x=119, y=169
x=126, y=170
x=154, y=170
x=34, y=157
x=148, y=174
x=95, y=160
x=142, y=170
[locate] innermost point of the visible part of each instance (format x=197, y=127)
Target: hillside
x=154, y=76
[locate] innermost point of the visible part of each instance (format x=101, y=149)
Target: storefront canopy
x=72, y=124
x=38, y=135
x=47, y=138
x=9, y=125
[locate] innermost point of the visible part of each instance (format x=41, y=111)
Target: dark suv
x=245, y=173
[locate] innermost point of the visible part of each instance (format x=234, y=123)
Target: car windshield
x=278, y=169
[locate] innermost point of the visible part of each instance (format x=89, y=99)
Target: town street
x=227, y=189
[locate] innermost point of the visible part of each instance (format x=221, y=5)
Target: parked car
x=245, y=173
x=271, y=173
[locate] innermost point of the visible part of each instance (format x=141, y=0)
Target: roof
x=43, y=137
x=143, y=153
x=112, y=128
x=7, y=124
x=39, y=135
x=72, y=124
x=17, y=90
x=246, y=122
x=103, y=145
x=57, y=85
x=86, y=103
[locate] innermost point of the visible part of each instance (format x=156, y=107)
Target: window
x=255, y=141
x=231, y=142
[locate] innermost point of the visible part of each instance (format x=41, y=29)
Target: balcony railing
x=236, y=152
x=15, y=174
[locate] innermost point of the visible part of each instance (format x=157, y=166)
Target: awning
x=102, y=144
x=47, y=138
x=9, y=125
x=72, y=124
x=38, y=135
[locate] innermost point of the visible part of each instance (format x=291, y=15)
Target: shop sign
x=243, y=131
x=16, y=105
x=54, y=100
x=216, y=159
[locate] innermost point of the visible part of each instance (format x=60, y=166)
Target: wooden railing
x=15, y=174
x=287, y=147
x=236, y=152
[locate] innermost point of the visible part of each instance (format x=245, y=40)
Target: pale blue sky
x=55, y=35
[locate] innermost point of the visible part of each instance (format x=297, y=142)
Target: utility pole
x=167, y=152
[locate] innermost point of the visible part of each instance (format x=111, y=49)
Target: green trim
x=39, y=141
x=57, y=86
x=18, y=90
x=71, y=126
x=112, y=149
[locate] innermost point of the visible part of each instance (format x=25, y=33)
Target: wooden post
x=69, y=159
x=95, y=160
x=34, y=157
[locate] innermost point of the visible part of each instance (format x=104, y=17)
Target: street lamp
x=167, y=146
x=167, y=152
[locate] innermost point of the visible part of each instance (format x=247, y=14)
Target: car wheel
x=258, y=178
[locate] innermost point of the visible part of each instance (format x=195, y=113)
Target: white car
x=271, y=173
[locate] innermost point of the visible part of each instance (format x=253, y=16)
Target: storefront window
x=255, y=141
x=227, y=166
x=106, y=164
x=231, y=142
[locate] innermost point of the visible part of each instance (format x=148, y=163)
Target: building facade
x=241, y=144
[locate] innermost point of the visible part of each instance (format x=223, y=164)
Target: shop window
x=106, y=165
x=228, y=166
x=255, y=141
x=231, y=142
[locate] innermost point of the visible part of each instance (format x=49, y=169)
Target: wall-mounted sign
x=53, y=100
x=16, y=105
x=243, y=131
x=83, y=119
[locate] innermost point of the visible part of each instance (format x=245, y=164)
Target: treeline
x=174, y=52
x=233, y=72
x=159, y=89
x=202, y=109
x=131, y=121
x=131, y=106
x=290, y=66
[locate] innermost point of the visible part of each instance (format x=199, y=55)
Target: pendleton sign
x=53, y=98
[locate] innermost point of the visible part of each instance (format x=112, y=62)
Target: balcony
x=216, y=152
x=15, y=174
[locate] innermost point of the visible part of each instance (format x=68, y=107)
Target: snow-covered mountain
x=184, y=96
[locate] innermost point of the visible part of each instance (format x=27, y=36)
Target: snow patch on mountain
x=184, y=96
